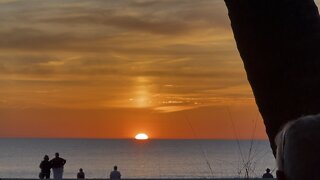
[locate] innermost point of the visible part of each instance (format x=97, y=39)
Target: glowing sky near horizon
x=110, y=69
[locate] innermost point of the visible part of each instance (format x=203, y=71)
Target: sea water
x=20, y=158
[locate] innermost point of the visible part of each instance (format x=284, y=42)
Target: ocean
x=20, y=158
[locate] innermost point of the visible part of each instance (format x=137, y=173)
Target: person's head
x=46, y=158
x=115, y=168
x=57, y=154
x=268, y=170
x=298, y=149
x=80, y=170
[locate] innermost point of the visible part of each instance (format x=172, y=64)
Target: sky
x=112, y=69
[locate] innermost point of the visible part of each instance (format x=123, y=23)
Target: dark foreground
x=151, y=179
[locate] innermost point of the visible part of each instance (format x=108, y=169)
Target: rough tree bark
x=279, y=43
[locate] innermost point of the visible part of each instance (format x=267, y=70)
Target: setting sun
x=141, y=136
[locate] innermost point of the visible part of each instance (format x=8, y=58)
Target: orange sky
x=111, y=69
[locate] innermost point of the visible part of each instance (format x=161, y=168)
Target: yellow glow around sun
x=141, y=136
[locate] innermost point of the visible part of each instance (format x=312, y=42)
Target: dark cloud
x=129, y=23
x=28, y=39
x=104, y=26
x=158, y=17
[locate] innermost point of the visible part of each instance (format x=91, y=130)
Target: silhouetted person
x=115, y=174
x=80, y=174
x=267, y=174
x=45, y=167
x=278, y=41
x=57, y=165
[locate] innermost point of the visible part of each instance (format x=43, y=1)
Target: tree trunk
x=279, y=43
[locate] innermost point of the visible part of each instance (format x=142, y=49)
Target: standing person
x=45, y=167
x=267, y=174
x=115, y=174
x=57, y=165
x=80, y=174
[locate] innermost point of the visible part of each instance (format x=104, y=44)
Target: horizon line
x=97, y=138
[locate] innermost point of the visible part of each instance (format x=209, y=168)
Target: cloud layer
x=167, y=55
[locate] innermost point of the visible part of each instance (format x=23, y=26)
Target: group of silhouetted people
x=115, y=174
x=57, y=164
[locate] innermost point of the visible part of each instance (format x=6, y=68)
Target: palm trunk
x=279, y=43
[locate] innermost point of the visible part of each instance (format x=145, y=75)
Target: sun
x=141, y=136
